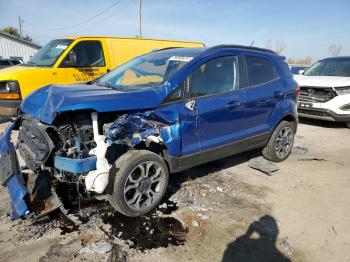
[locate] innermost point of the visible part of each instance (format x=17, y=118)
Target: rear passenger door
x=214, y=94
x=264, y=91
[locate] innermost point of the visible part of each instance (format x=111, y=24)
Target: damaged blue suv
x=118, y=138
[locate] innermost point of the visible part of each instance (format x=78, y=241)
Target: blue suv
x=118, y=138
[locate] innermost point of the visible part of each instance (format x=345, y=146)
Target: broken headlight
x=343, y=90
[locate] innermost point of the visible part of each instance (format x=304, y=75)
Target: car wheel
x=141, y=180
x=348, y=124
x=281, y=142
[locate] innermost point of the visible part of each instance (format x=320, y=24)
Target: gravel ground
x=228, y=210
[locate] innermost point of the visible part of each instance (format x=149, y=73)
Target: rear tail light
x=297, y=91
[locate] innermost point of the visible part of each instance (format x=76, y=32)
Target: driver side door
x=84, y=62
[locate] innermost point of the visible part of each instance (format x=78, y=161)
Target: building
x=16, y=48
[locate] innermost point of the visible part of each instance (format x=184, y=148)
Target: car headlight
x=343, y=90
x=9, y=90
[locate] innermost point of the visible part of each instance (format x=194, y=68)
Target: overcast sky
x=307, y=27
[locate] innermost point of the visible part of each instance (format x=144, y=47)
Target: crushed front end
x=77, y=151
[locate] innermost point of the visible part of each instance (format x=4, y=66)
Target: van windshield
x=49, y=54
x=144, y=72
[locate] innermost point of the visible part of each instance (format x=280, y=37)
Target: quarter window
x=260, y=70
x=85, y=54
x=216, y=76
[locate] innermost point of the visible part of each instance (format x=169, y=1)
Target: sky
x=306, y=27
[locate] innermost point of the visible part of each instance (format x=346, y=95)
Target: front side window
x=330, y=67
x=260, y=70
x=216, y=76
x=85, y=54
x=49, y=54
x=144, y=72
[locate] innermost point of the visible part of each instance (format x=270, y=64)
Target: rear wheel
x=141, y=180
x=348, y=124
x=281, y=142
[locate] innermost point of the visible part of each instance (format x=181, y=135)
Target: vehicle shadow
x=177, y=179
x=257, y=244
x=321, y=123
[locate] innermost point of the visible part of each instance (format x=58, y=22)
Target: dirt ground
x=221, y=211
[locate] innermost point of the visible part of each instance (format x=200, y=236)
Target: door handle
x=278, y=94
x=232, y=105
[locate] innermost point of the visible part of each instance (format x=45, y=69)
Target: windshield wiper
x=108, y=85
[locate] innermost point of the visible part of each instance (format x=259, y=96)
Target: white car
x=325, y=90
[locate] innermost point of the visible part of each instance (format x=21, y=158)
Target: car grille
x=313, y=112
x=316, y=94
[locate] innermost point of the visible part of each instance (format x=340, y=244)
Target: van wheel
x=141, y=180
x=281, y=142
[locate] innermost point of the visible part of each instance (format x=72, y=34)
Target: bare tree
x=334, y=50
x=277, y=46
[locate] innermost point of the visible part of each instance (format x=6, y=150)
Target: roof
x=133, y=38
x=254, y=48
x=195, y=51
x=20, y=40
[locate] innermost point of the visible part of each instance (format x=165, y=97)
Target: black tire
x=348, y=124
x=271, y=150
x=127, y=166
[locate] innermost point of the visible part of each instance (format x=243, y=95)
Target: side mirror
x=71, y=59
x=301, y=71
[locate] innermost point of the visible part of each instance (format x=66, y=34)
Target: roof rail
x=243, y=47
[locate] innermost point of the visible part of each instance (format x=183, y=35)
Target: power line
x=75, y=25
x=128, y=3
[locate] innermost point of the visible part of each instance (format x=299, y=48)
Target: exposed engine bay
x=79, y=149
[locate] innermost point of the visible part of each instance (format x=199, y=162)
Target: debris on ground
x=265, y=166
x=311, y=158
x=286, y=246
x=300, y=151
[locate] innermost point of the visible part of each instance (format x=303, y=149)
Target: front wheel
x=281, y=142
x=141, y=180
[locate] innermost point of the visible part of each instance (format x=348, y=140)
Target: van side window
x=85, y=54
x=215, y=76
x=260, y=70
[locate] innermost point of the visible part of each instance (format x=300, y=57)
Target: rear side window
x=286, y=69
x=260, y=70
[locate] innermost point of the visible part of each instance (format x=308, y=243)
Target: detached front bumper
x=11, y=175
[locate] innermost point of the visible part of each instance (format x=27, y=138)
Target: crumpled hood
x=322, y=81
x=45, y=103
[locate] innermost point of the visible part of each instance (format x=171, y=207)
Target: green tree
x=11, y=31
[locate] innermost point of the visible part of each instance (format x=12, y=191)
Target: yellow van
x=72, y=60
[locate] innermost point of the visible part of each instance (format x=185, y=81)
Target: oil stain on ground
x=147, y=232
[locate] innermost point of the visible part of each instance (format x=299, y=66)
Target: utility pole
x=20, y=26
x=139, y=35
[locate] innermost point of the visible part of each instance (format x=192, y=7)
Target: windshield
x=330, y=67
x=143, y=72
x=49, y=54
